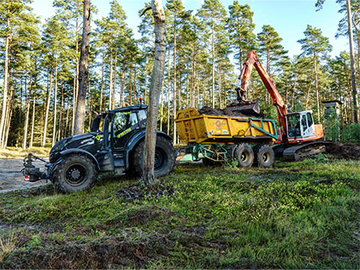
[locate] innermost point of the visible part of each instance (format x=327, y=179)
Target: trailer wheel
x=245, y=155
x=264, y=156
x=164, y=158
x=75, y=173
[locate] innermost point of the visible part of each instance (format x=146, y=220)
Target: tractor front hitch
x=30, y=172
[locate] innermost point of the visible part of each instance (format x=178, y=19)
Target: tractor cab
x=301, y=127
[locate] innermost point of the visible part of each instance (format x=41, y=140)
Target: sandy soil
x=11, y=177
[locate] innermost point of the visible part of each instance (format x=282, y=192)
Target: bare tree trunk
x=192, y=99
x=83, y=71
x=33, y=119
x=61, y=120
x=47, y=108
x=27, y=114
x=111, y=80
x=175, y=86
x=220, y=85
x=5, y=88
x=317, y=88
x=114, y=84
x=55, y=103
x=102, y=84
x=213, y=62
x=168, y=95
x=122, y=89
x=156, y=83
x=76, y=77
x=352, y=57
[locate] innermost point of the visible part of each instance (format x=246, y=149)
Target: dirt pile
x=220, y=112
x=344, y=150
x=224, y=112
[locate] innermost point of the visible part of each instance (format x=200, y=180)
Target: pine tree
x=271, y=50
x=213, y=14
x=316, y=46
x=241, y=28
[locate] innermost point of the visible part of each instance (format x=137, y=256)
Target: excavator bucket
x=250, y=108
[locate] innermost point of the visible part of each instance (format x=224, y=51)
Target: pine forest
x=39, y=66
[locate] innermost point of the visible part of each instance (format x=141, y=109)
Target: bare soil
x=344, y=150
x=11, y=177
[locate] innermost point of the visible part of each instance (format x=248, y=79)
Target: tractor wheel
x=264, y=156
x=245, y=155
x=75, y=173
x=164, y=158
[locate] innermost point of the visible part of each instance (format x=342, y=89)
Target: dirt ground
x=11, y=177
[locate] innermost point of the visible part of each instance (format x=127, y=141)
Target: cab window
x=124, y=121
x=309, y=119
x=294, y=125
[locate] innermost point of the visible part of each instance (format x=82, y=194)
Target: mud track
x=11, y=177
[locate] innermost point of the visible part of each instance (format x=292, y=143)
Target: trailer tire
x=264, y=156
x=164, y=158
x=75, y=173
x=244, y=155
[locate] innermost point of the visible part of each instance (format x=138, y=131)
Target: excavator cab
x=300, y=126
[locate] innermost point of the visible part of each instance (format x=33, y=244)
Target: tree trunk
x=213, y=62
x=111, y=80
x=55, y=104
x=61, y=120
x=352, y=57
x=102, y=84
x=83, y=71
x=27, y=115
x=114, y=84
x=156, y=83
x=175, y=84
x=33, y=120
x=47, y=108
x=5, y=88
x=317, y=88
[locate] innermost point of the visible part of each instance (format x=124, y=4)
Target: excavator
x=299, y=137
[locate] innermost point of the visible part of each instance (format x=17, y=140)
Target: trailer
x=217, y=138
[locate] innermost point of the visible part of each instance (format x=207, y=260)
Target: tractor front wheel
x=75, y=173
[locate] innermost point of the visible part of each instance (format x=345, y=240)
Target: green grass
x=295, y=215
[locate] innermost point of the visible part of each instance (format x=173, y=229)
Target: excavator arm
x=250, y=62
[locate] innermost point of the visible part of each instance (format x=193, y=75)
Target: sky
x=289, y=17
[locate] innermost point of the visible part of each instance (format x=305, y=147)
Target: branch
x=144, y=11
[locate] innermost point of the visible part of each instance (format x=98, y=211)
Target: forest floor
x=295, y=215
x=11, y=163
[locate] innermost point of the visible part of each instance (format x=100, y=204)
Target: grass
x=295, y=215
x=18, y=152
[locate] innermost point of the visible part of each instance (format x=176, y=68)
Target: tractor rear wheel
x=244, y=155
x=164, y=158
x=264, y=156
x=75, y=173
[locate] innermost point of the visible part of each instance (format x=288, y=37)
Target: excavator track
x=295, y=153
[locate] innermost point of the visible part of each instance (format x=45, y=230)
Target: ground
x=11, y=177
x=295, y=215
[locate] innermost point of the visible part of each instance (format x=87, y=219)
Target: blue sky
x=289, y=17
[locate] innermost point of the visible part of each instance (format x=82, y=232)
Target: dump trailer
x=214, y=138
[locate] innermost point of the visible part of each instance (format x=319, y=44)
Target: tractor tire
x=164, y=158
x=75, y=173
x=264, y=156
x=244, y=155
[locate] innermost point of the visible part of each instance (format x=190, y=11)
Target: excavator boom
x=243, y=103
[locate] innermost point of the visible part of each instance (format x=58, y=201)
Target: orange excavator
x=299, y=137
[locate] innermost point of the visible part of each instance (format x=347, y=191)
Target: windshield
x=293, y=122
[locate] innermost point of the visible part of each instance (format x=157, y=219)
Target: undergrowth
x=294, y=215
